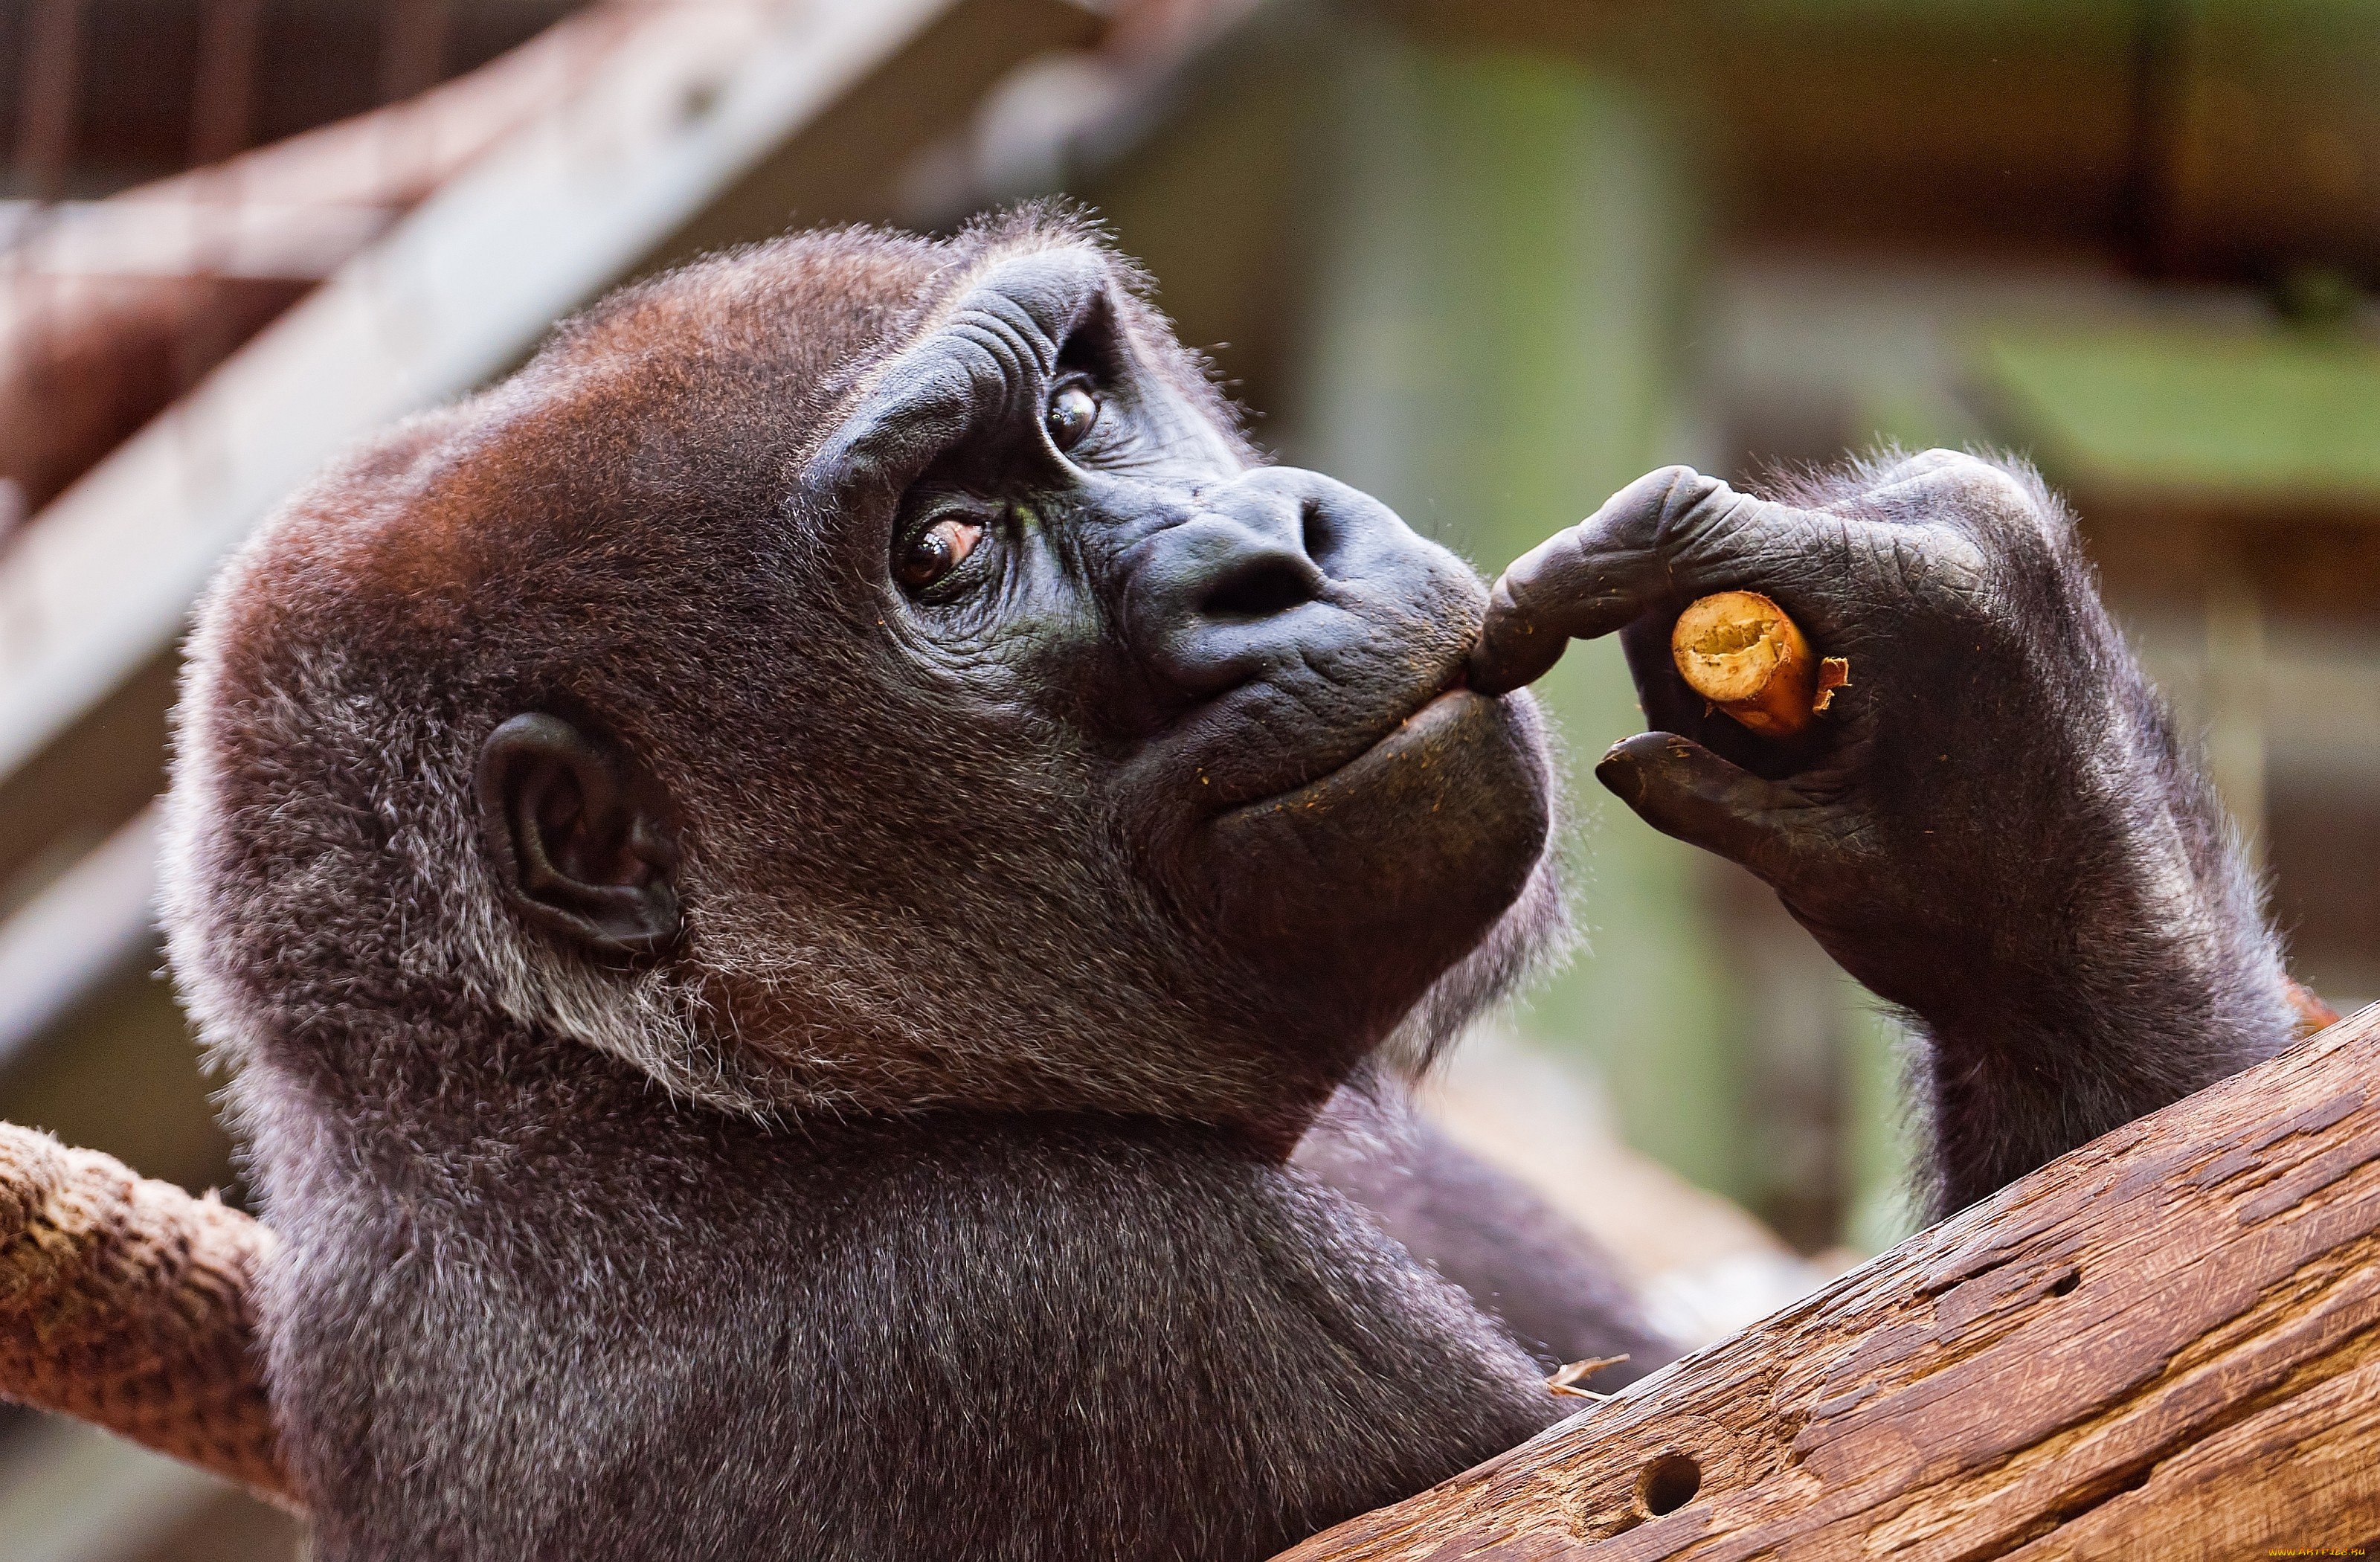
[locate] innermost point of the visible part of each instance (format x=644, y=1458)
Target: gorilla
x=783, y=888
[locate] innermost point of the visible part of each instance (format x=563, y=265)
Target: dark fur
x=929, y=1196
x=1996, y=828
x=2145, y=968
x=585, y=1324
x=952, y=1258
x=1562, y=1296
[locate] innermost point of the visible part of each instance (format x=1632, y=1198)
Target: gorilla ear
x=578, y=835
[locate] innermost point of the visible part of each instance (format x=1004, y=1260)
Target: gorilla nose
x=1244, y=585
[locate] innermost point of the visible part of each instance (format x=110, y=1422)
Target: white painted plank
x=78, y=930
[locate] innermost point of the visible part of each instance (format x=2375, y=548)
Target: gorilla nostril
x=1315, y=533
x=1259, y=589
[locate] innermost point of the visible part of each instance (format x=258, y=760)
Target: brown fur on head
x=629, y=533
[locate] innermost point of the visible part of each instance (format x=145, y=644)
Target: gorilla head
x=868, y=688
x=858, y=674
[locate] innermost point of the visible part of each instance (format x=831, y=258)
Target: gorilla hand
x=1883, y=828
x=1992, y=826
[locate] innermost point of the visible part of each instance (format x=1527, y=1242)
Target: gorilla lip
x=1437, y=721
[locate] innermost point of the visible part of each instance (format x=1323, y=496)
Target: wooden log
x=2165, y=1344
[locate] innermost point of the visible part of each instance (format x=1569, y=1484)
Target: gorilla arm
x=1993, y=828
x=1557, y=1290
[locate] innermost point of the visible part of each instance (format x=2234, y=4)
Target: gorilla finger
x=1663, y=539
x=1683, y=790
x=1911, y=467
x=1512, y=649
x=1958, y=495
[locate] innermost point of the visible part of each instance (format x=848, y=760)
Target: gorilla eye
x=935, y=552
x=1071, y=411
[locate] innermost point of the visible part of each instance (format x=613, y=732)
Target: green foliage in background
x=1494, y=331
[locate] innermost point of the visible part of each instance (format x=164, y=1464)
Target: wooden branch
x=127, y=1303
x=2165, y=1344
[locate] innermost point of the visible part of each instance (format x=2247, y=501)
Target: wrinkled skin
x=1992, y=826
x=1260, y=664
x=784, y=886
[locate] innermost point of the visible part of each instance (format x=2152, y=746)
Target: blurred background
x=1489, y=259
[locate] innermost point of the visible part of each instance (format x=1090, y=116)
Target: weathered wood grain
x=2165, y=1345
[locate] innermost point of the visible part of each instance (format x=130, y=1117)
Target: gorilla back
x=779, y=888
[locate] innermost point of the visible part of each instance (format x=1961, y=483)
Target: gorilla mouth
x=1453, y=716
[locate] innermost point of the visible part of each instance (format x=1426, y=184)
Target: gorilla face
x=1266, y=663
x=1044, y=747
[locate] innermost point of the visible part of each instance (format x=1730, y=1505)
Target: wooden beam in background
x=111, y=308
x=689, y=100
x=89, y=923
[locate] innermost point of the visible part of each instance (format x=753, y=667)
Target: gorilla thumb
x=1683, y=790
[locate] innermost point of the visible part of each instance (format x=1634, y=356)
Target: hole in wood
x=1667, y=1484
x=2064, y=1285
